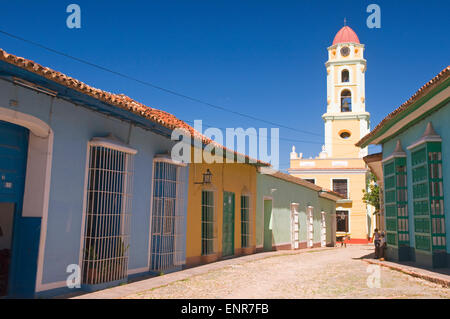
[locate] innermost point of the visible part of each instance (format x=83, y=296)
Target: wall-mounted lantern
x=207, y=176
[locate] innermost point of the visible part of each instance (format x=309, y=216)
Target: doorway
x=268, y=237
x=19, y=236
x=228, y=224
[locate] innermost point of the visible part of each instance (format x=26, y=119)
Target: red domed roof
x=345, y=35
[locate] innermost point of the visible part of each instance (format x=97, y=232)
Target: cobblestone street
x=331, y=273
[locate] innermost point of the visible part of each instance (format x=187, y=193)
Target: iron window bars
x=340, y=187
x=209, y=235
x=108, y=212
x=167, y=218
x=245, y=221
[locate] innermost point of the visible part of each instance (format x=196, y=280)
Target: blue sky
x=264, y=58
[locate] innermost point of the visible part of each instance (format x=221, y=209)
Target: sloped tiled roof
x=300, y=181
x=430, y=85
x=118, y=100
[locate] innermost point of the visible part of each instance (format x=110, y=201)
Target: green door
x=267, y=225
x=228, y=225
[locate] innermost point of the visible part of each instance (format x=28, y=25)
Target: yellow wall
x=229, y=177
x=357, y=208
x=345, y=148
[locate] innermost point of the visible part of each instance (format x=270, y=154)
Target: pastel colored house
x=340, y=165
x=292, y=213
x=85, y=180
x=415, y=140
x=221, y=209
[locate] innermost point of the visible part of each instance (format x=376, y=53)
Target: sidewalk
x=154, y=282
x=442, y=277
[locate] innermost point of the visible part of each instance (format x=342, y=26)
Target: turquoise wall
x=440, y=120
x=285, y=194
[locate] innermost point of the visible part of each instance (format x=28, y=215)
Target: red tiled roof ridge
x=329, y=191
x=303, y=182
x=296, y=180
x=119, y=100
x=440, y=77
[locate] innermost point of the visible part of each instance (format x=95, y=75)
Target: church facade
x=340, y=166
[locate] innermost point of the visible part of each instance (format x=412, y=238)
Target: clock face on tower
x=345, y=51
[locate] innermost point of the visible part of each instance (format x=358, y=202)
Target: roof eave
x=432, y=87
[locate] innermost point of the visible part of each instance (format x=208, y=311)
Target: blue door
x=19, y=236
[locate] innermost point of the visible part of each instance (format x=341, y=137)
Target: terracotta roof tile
x=305, y=183
x=118, y=100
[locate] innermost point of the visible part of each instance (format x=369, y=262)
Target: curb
x=404, y=269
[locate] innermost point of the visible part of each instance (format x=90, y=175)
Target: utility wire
x=155, y=86
x=169, y=91
x=280, y=138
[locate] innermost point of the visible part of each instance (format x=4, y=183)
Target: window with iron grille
x=167, y=214
x=342, y=221
x=108, y=213
x=340, y=187
x=245, y=221
x=208, y=223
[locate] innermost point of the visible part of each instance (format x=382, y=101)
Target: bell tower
x=340, y=165
x=346, y=119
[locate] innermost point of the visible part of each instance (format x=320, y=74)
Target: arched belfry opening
x=345, y=76
x=346, y=101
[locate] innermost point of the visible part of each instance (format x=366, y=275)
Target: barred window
x=108, y=213
x=340, y=187
x=167, y=214
x=208, y=223
x=245, y=221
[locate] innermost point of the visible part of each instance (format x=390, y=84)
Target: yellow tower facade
x=340, y=166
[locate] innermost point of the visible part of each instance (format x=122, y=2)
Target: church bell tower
x=346, y=119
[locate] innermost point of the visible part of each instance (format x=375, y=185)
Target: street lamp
x=206, y=177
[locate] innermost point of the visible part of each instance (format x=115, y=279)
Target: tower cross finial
x=345, y=22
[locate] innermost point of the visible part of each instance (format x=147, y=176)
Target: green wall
x=284, y=195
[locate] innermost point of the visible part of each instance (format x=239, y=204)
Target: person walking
x=382, y=246
x=376, y=240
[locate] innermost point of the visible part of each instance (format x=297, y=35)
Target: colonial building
x=84, y=182
x=340, y=166
x=414, y=166
x=221, y=208
x=292, y=213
